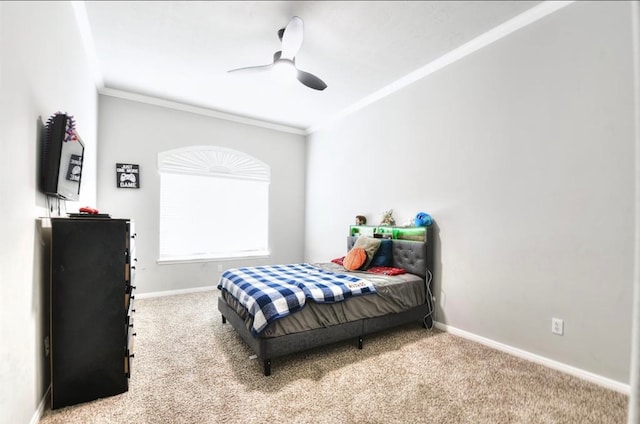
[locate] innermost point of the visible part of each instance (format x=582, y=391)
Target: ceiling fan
x=291, y=38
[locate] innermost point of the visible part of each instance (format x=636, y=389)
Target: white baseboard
x=38, y=414
x=568, y=369
x=174, y=292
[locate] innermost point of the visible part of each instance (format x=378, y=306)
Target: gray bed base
x=269, y=348
x=409, y=255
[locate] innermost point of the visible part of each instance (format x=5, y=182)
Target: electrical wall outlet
x=557, y=326
x=46, y=346
x=219, y=267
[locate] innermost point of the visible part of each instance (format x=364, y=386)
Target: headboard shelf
x=395, y=233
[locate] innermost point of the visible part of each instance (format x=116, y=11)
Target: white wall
x=135, y=132
x=42, y=70
x=523, y=153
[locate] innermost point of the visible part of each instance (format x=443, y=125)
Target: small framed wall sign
x=127, y=175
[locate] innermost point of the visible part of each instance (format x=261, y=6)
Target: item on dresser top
x=88, y=215
x=90, y=210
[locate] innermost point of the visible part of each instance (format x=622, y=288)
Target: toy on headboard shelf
x=361, y=220
x=387, y=219
x=422, y=219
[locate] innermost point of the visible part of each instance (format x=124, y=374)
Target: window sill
x=213, y=258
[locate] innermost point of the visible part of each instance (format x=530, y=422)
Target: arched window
x=214, y=203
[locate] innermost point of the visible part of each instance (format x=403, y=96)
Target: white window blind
x=214, y=203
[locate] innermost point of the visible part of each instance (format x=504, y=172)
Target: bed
x=396, y=300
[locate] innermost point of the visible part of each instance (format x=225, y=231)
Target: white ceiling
x=181, y=50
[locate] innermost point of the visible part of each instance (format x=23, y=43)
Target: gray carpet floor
x=190, y=368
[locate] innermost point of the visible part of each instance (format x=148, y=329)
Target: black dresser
x=92, y=274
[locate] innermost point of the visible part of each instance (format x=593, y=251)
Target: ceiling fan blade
x=254, y=69
x=292, y=38
x=311, y=80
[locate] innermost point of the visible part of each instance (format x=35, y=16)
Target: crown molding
x=170, y=104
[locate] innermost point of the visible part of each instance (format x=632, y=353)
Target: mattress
x=395, y=294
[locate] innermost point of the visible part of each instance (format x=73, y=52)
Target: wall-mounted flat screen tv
x=62, y=156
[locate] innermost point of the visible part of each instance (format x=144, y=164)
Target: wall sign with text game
x=127, y=175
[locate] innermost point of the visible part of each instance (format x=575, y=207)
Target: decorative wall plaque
x=127, y=175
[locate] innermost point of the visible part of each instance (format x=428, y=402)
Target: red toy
x=89, y=210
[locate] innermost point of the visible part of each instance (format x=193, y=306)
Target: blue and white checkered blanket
x=275, y=291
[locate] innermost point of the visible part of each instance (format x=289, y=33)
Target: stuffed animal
x=387, y=219
x=361, y=220
x=422, y=219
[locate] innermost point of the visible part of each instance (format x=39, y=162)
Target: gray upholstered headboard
x=408, y=255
